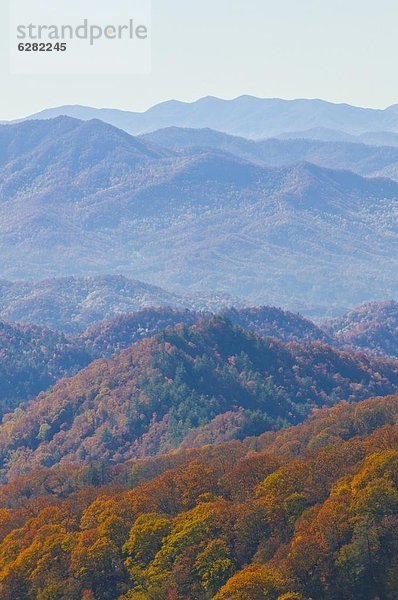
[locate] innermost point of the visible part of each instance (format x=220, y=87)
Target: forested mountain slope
x=185, y=386
x=71, y=304
x=32, y=358
x=110, y=337
x=84, y=198
x=372, y=328
x=307, y=513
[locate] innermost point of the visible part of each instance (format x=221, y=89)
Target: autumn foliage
x=306, y=513
x=185, y=387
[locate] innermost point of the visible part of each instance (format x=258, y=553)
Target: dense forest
x=186, y=386
x=32, y=358
x=110, y=336
x=201, y=457
x=307, y=513
x=372, y=328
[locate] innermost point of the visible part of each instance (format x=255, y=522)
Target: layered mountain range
x=84, y=198
x=247, y=116
x=363, y=159
x=71, y=304
x=165, y=430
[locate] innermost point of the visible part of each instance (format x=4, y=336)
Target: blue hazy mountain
x=70, y=304
x=245, y=116
x=85, y=198
x=375, y=161
x=372, y=138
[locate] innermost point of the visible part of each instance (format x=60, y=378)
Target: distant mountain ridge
x=71, y=304
x=371, y=138
x=246, y=116
x=363, y=159
x=83, y=198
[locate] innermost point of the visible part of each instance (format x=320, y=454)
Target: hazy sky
x=338, y=50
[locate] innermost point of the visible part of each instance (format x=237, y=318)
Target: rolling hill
x=32, y=358
x=110, y=337
x=72, y=304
